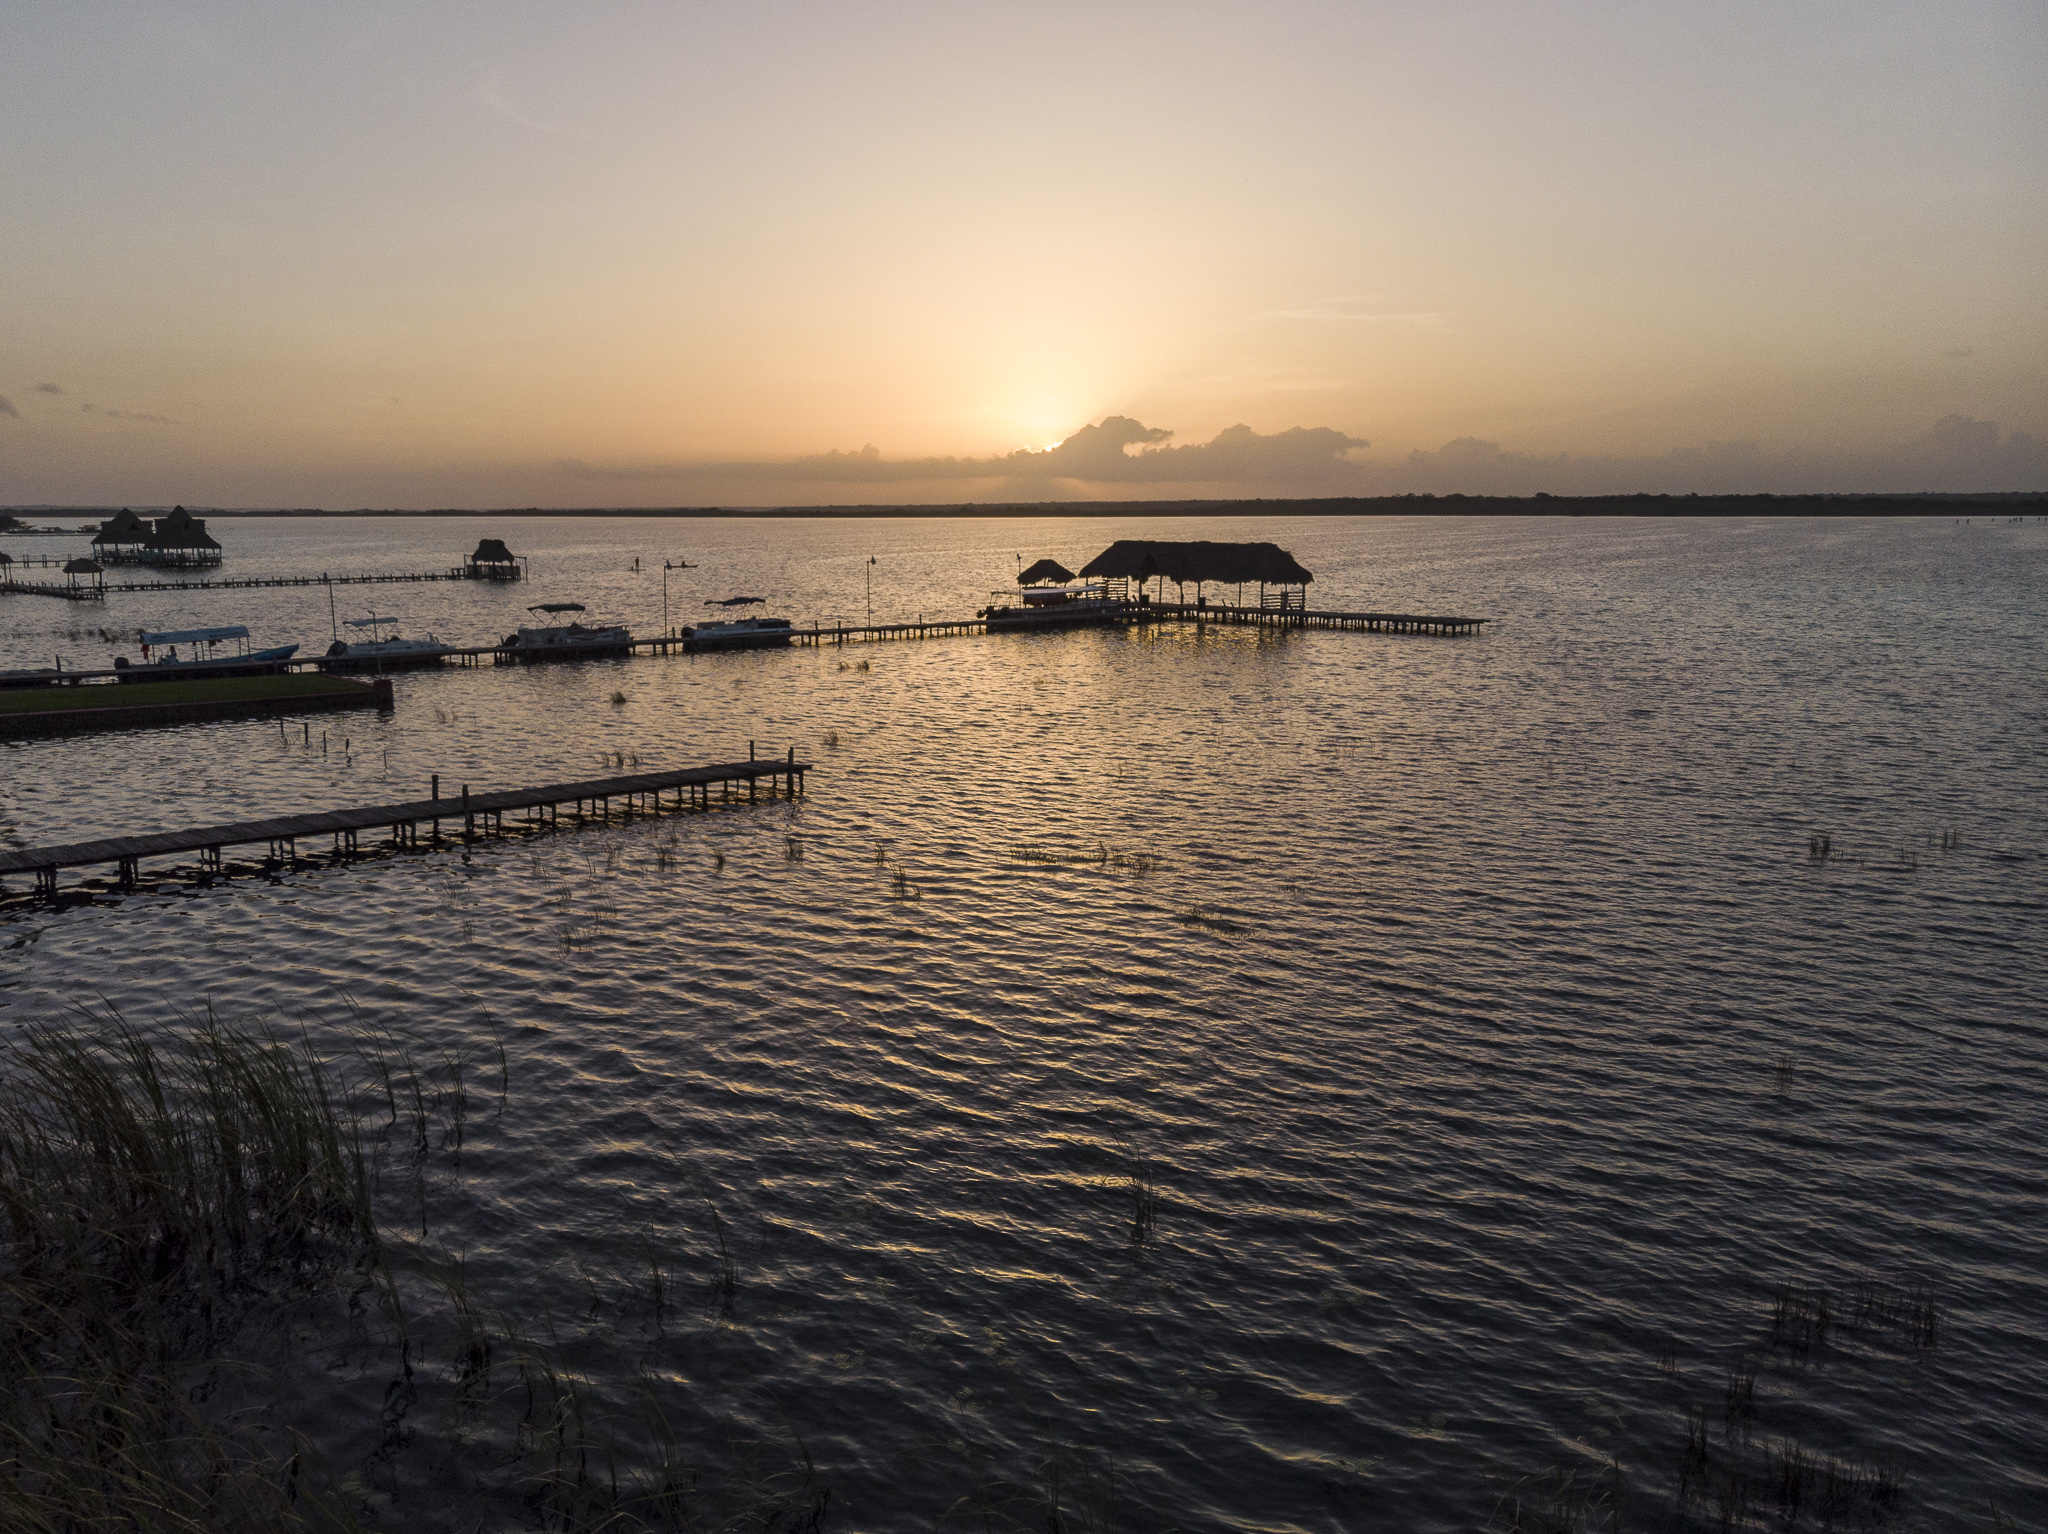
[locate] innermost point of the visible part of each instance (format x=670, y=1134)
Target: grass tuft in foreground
x=152, y=1194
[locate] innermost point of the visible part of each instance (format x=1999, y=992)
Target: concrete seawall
x=72, y=721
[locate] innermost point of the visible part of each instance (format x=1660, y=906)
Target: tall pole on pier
x=871, y=591
x=681, y=564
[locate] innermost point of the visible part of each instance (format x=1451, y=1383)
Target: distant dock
x=471, y=817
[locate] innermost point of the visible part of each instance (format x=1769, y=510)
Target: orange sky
x=659, y=254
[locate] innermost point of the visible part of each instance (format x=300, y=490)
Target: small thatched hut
x=1142, y=560
x=77, y=568
x=492, y=561
x=1046, y=572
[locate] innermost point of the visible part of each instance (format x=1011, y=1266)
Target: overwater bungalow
x=180, y=541
x=492, y=561
x=121, y=538
x=1135, y=562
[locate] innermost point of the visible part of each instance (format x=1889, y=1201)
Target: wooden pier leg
x=126, y=875
x=46, y=883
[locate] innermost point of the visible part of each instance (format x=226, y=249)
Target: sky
x=593, y=254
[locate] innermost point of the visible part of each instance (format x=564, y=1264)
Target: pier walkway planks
x=692, y=787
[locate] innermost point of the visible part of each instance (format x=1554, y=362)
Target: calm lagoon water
x=1497, y=1045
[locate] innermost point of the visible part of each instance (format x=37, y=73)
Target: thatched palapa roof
x=181, y=530
x=122, y=527
x=492, y=551
x=1045, y=570
x=1227, y=564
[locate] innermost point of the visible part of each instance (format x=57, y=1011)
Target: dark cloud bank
x=1959, y=453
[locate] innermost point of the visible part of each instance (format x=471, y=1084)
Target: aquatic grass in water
x=1198, y=917
x=170, y=1197
x=158, y=1193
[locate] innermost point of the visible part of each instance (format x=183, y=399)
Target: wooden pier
x=52, y=589
x=471, y=817
x=1316, y=618
x=1148, y=612
x=459, y=573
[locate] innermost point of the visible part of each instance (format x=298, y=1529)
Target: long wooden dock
x=246, y=583
x=68, y=593
x=1319, y=618
x=1155, y=612
x=472, y=816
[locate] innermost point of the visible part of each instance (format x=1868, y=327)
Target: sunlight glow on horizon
x=366, y=257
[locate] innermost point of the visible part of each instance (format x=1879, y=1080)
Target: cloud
x=1958, y=453
x=491, y=94
x=1308, y=459
x=1120, y=455
x=125, y=415
x=48, y=388
x=1344, y=311
x=7, y=408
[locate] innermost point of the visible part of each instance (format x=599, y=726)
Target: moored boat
x=238, y=659
x=739, y=634
x=1062, y=606
x=380, y=651
x=551, y=639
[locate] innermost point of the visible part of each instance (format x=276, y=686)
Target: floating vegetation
x=1066, y=1493
x=1738, y=1398
x=1102, y=855
x=1801, y=1318
x=1555, y=1501
x=1139, y=1178
x=1910, y=1310
x=1330, y=1302
x=1199, y=918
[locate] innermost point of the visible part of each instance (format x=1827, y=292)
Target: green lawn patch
x=40, y=700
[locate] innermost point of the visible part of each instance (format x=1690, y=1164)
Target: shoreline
x=1832, y=504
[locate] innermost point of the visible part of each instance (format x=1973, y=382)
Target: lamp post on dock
x=871, y=591
x=665, y=568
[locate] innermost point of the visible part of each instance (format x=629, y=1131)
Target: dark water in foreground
x=1498, y=1046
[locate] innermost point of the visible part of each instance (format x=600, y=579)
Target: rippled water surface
x=1497, y=1045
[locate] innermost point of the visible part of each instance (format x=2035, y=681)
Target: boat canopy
x=556, y=607
x=196, y=636
x=737, y=602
